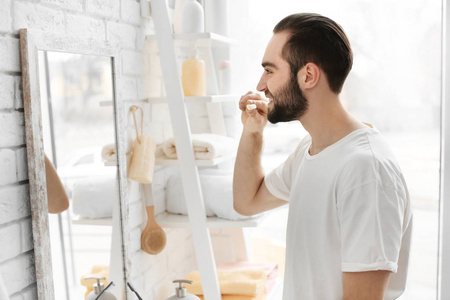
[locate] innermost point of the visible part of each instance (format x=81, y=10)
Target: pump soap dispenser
x=180, y=292
x=99, y=292
x=193, y=75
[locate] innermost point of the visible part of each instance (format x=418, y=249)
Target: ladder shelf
x=165, y=44
x=169, y=220
x=187, y=100
x=203, y=39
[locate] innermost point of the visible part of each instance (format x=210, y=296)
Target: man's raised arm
x=250, y=194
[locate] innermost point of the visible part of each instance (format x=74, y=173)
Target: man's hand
x=253, y=120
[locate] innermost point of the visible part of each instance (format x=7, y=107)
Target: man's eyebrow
x=269, y=64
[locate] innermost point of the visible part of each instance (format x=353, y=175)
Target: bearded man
x=349, y=223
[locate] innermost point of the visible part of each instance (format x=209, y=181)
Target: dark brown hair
x=320, y=40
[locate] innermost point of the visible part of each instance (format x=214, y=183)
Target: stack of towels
x=239, y=280
x=217, y=191
x=93, y=197
x=205, y=146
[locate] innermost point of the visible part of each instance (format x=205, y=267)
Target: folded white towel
x=93, y=197
x=206, y=146
x=217, y=190
x=109, y=152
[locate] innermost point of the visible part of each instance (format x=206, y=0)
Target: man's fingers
x=259, y=105
x=247, y=97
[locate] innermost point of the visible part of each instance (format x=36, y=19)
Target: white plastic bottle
x=99, y=289
x=177, y=16
x=217, y=16
x=192, y=17
x=181, y=293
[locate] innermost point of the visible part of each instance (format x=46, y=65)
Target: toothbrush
x=251, y=106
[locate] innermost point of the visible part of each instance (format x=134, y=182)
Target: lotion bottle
x=99, y=291
x=193, y=75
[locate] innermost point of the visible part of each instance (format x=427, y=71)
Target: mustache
x=268, y=94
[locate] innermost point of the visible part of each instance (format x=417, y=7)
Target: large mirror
x=76, y=164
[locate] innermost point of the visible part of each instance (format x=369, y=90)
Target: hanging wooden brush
x=153, y=238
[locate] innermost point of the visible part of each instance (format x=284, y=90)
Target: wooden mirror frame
x=31, y=42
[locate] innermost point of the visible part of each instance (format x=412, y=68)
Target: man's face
x=287, y=101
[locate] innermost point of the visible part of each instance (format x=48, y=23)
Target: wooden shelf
x=199, y=162
x=202, y=99
x=95, y=222
x=168, y=220
x=203, y=39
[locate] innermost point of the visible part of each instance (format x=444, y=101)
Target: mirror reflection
x=79, y=144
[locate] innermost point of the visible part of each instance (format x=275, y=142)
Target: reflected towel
x=270, y=268
x=242, y=282
x=261, y=296
x=109, y=153
x=206, y=146
x=93, y=197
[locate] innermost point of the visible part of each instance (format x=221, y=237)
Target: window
x=395, y=84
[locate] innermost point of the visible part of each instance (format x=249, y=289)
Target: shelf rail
x=183, y=140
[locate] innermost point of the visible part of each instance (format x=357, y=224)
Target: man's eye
x=268, y=71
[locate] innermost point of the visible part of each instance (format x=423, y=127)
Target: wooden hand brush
x=153, y=238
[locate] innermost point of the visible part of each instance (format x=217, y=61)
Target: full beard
x=288, y=104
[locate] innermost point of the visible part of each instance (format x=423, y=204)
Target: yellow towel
x=241, y=282
x=261, y=296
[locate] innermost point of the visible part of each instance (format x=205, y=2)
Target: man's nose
x=262, y=86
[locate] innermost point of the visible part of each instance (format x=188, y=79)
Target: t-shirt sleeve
x=371, y=223
x=278, y=181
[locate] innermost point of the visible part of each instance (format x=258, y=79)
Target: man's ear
x=309, y=76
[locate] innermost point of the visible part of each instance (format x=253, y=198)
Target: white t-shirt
x=349, y=211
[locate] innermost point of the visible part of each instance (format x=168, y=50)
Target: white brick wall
x=119, y=22
x=7, y=162
x=67, y=5
x=12, y=128
x=31, y=15
x=5, y=16
x=87, y=27
x=122, y=34
x=9, y=54
x=104, y=8
x=6, y=91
